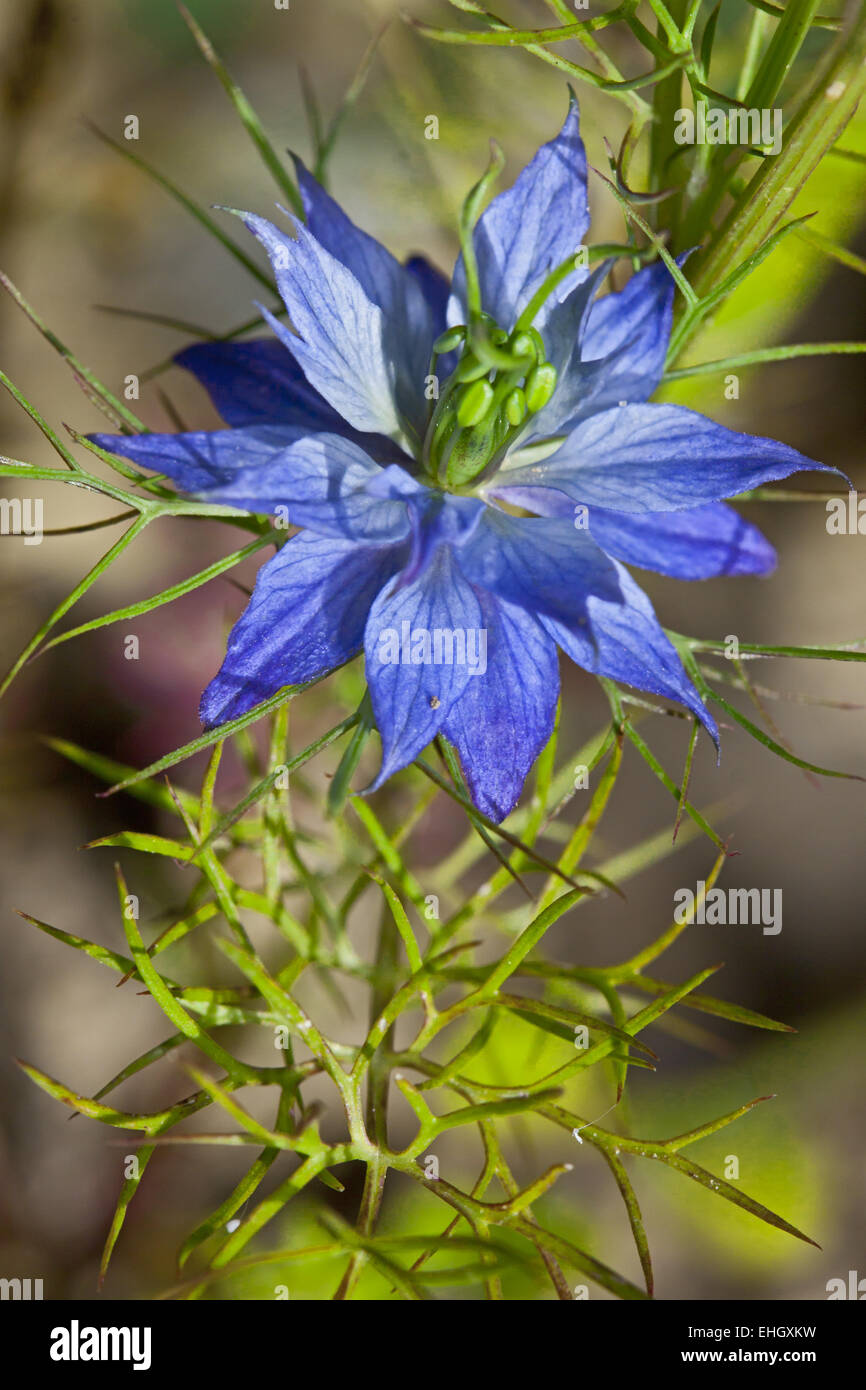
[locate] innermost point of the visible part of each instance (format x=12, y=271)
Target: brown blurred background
x=80, y=228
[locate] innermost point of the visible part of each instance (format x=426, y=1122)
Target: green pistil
x=468, y=217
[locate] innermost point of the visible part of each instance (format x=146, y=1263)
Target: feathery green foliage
x=456, y=965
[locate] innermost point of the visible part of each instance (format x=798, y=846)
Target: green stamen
x=474, y=404
x=540, y=386
x=515, y=407
x=451, y=339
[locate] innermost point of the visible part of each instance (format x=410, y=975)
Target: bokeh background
x=82, y=229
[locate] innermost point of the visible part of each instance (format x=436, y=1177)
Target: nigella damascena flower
x=460, y=540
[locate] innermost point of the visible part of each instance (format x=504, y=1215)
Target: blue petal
x=323, y=481
x=531, y=228
x=344, y=345
x=328, y=484
x=259, y=382
x=634, y=324
x=702, y=543
x=622, y=639
x=306, y=616
x=199, y=459
x=650, y=458
x=399, y=292
x=547, y=566
x=435, y=289
x=588, y=603
x=439, y=519
x=411, y=699
x=562, y=324
x=505, y=715
x=618, y=354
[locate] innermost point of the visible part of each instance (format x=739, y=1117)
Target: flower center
x=500, y=380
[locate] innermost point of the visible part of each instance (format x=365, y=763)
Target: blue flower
x=466, y=509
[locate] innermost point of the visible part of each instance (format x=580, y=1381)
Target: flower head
x=472, y=466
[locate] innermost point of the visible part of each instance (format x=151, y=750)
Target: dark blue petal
x=306, y=616
x=546, y=566
x=634, y=324
x=702, y=543
x=343, y=345
x=651, y=458
x=587, y=602
x=411, y=699
x=200, y=459
x=505, y=715
x=259, y=382
x=439, y=519
x=622, y=639
x=531, y=228
x=435, y=289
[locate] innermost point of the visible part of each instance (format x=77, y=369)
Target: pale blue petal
x=343, y=340
x=323, y=481
x=531, y=228
x=199, y=459
x=408, y=323
x=327, y=483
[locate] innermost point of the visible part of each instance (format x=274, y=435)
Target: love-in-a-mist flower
x=471, y=466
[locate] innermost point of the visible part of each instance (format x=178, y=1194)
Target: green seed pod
x=515, y=406
x=540, y=386
x=447, y=342
x=474, y=404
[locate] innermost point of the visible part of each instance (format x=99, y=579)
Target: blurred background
x=81, y=230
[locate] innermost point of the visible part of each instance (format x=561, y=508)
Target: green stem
x=831, y=101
